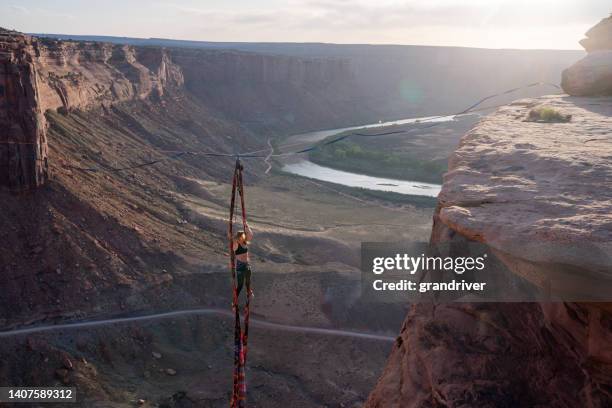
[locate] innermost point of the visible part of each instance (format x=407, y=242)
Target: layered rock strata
x=23, y=144
x=265, y=93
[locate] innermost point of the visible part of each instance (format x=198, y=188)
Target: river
x=306, y=168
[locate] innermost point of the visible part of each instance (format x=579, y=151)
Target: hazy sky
x=472, y=23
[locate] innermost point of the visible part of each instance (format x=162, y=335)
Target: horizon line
x=295, y=42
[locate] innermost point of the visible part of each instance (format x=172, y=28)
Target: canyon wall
x=275, y=93
x=539, y=195
x=23, y=144
x=400, y=81
x=86, y=75
x=38, y=75
x=264, y=93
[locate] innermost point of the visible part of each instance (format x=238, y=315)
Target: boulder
x=591, y=76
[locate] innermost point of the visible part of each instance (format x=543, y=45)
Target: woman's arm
x=248, y=232
x=231, y=239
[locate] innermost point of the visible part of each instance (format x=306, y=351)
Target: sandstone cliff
x=67, y=106
x=23, y=144
x=538, y=193
x=40, y=75
x=265, y=93
x=540, y=196
x=85, y=75
x=271, y=93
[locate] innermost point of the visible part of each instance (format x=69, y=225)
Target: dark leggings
x=243, y=275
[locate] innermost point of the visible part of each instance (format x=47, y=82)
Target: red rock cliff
x=263, y=92
x=539, y=195
x=85, y=75
x=275, y=92
x=37, y=75
x=23, y=144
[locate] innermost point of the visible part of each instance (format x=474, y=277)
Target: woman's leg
x=248, y=280
x=240, y=272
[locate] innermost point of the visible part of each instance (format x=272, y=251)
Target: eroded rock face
x=265, y=92
x=592, y=75
x=23, y=144
x=80, y=75
x=37, y=75
x=491, y=355
x=540, y=196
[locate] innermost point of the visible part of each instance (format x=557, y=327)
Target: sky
x=527, y=24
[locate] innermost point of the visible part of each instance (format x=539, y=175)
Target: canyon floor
x=312, y=236
x=127, y=243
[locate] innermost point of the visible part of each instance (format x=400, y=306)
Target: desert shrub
x=547, y=114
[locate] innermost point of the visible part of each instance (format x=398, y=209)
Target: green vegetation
x=548, y=115
x=371, y=195
x=391, y=197
x=350, y=156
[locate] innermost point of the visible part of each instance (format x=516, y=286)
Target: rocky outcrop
x=541, y=192
x=592, y=75
x=85, y=75
x=23, y=144
x=37, y=75
x=539, y=196
x=599, y=37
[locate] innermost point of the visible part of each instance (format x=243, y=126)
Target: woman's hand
x=248, y=232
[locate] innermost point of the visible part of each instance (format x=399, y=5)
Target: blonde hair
x=239, y=235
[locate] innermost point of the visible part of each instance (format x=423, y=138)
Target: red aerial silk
x=241, y=336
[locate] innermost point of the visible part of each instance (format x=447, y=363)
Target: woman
x=240, y=247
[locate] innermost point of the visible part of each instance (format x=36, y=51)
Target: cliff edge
x=539, y=194
x=533, y=182
x=536, y=192
x=37, y=75
x=23, y=143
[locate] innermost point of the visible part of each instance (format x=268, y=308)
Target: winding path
x=192, y=312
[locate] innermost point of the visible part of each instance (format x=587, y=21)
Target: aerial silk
x=241, y=336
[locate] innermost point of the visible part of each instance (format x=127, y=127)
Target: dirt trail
x=194, y=312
